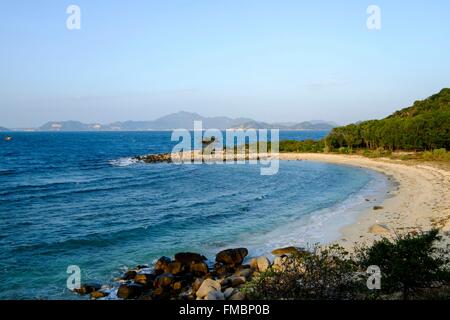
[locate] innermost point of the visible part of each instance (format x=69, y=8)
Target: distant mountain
x=3, y=129
x=69, y=126
x=306, y=125
x=183, y=120
x=255, y=125
x=334, y=124
x=179, y=120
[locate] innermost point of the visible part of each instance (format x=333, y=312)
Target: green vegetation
x=423, y=126
x=409, y=263
x=285, y=146
x=420, y=132
x=436, y=154
x=325, y=274
x=302, y=146
x=411, y=266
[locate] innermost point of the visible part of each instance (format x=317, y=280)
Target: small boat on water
x=8, y=138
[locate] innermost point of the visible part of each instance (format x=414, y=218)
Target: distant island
x=183, y=120
x=305, y=125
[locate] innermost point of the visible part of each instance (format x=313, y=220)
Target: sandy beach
x=421, y=201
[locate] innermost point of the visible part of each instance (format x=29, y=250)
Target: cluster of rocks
x=189, y=277
x=198, y=156
x=155, y=158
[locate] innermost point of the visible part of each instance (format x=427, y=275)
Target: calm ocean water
x=77, y=199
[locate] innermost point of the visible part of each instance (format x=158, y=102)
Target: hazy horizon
x=181, y=111
x=283, y=61
x=178, y=112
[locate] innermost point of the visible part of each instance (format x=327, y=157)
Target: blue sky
x=269, y=60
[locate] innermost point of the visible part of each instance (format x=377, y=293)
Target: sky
x=268, y=60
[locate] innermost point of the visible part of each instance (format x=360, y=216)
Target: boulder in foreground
x=232, y=257
x=130, y=291
x=188, y=258
x=260, y=264
x=88, y=288
x=206, y=287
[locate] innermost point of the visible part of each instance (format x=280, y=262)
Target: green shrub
x=408, y=263
x=301, y=146
x=427, y=155
x=436, y=154
x=325, y=274
x=344, y=150
x=439, y=153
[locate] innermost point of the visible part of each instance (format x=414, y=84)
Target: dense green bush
x=302, y=146
x=325, y=274
x=377, y=153
x=409, y=264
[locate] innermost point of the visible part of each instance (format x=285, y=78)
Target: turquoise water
x=77, y=199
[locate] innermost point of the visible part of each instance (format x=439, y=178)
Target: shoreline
x=421, y=201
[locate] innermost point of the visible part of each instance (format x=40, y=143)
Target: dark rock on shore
x=162, y=264
x=99, y=294
x=142, y=266
x=188, y=258
x=145, y=279
x=155, y=158
x=164, y=280
x=232, y=257
x=130, y=291
x=199, y=268
x=222, y=270
x=174, y=268
x=129, y=275
x=88, y=288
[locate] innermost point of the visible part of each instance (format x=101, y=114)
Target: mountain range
x=184, y=120
x=305, y=125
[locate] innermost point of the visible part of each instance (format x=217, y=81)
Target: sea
x=79, y=198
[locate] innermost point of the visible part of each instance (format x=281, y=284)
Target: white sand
x=421, y=202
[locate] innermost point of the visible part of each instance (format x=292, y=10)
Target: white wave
x=321, y=226
x=123, y=162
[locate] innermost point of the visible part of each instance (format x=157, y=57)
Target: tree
x=408, y=263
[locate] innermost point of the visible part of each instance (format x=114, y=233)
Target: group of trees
x=423, y=126
x=301, y=146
